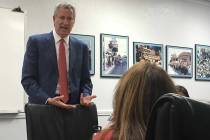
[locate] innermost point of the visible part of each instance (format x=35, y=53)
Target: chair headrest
x=175, y=117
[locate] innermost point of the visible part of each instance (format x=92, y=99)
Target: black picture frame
x=114, y=55
x=151, y=52
x=202, y=62
x=89, y=40
x=179, y=61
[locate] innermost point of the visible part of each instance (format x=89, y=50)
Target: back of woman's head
x=135, y=94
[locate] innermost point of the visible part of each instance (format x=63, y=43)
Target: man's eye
x=70, y=18
x=62, y=18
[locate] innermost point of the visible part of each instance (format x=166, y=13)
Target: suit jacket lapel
x=52, y=51
x=71, y=54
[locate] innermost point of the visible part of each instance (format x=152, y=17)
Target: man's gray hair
x=64, y=5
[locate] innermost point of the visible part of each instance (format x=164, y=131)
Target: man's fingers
x=60, y=104
x=93, y=96
x=71, y=106
x=88, y=97
x=57, y=101
x=65, y=106
x=59, y=97
x=86, y=100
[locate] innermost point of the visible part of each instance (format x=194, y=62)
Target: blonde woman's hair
x=134, y=96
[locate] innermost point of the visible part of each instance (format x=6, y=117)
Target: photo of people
x=114, y=55
x=149, y=52
x=179, y=61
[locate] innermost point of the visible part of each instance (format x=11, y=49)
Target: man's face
x=63, y=22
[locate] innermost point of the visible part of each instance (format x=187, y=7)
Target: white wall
x=172, y=22
x=12, y=27
x=13, y=127
x=169, y=22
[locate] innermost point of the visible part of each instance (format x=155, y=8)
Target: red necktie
x=63, y=90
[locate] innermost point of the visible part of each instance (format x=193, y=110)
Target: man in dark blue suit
x=40, y=72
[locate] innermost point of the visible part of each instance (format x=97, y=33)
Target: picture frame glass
x=89, y=40
x=202, y=62
x=148, y=51
x=179, y=61
x=114, y=55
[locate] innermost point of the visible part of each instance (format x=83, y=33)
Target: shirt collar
x=58, y=38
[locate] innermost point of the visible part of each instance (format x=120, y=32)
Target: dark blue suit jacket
x=40, y=69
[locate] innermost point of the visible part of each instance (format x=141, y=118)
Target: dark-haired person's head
x=182, y=91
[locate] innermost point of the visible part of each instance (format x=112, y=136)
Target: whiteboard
x=11, y=59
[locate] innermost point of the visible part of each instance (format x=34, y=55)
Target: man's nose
x=65, y=21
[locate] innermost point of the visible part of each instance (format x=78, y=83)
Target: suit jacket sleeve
x=86, y=84
x=30, y=72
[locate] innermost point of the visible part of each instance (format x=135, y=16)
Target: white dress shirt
x=66, y=44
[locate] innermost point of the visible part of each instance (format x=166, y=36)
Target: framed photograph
x=90, y=41
x=148, y=51
x=202, y=62
x=179, y=61
x=114, y=55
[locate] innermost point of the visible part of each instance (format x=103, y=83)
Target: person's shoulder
x=40, y=36
x=77, y=41
x=103, y=135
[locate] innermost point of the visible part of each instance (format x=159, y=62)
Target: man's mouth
x=65, y=28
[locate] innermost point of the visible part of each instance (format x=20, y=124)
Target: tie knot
x=62, y=40
x=62, y=43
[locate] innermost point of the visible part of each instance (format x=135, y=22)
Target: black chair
x=177, y=117
x=46, y=122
